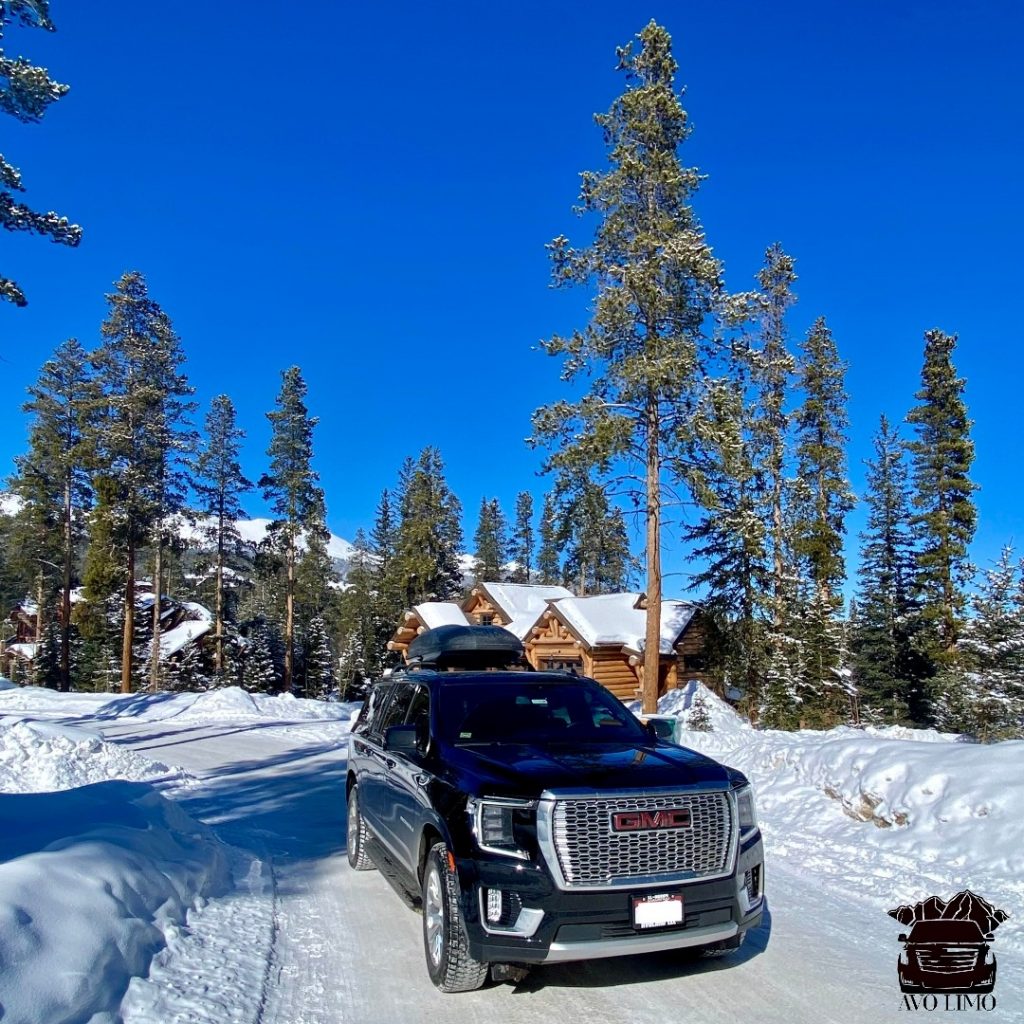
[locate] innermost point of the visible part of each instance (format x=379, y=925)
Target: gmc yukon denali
x=534, y=820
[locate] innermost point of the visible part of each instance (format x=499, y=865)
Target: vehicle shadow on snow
x=290, y=804
x=208, y=730
x=639, y=969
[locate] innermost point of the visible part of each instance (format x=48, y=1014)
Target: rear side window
x=372, y=708
x=395, y=712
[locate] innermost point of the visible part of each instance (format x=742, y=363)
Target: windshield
x=527, y=712
x=946, y=931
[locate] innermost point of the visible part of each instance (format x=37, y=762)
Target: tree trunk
x=652, y=642
x=158, y=572
x=289, y=618
x=65, y=603
x=218, y=654
x=39, y=609
x=129, y=622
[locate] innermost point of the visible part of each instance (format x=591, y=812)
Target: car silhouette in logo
x=946, y=956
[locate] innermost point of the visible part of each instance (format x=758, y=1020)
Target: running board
x=395, y=876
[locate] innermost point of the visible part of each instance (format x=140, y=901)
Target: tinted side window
x=372, y=709
x=419, y=715
x=395, y=712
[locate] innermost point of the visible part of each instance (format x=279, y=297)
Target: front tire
x=356, y=841
x=449, y=964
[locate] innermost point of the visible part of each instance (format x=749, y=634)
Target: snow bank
x=93, y=882
x=893, y=814
x=38, y=757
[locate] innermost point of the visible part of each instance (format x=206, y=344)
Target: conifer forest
x=680, y=389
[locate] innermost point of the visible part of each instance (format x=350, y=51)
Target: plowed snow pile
x=894, y=814
x=37, y=757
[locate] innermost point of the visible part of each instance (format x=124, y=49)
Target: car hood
x=526, y=770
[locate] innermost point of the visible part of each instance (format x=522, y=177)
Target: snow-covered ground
x=171, y=858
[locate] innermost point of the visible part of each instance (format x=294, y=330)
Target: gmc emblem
x=642, y=821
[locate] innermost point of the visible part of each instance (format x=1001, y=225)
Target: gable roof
x=523, y=603
x=440, y=613
x=619, y=620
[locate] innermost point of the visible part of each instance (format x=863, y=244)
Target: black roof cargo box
x=465, y=647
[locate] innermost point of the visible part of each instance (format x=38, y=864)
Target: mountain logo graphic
x=948, y=947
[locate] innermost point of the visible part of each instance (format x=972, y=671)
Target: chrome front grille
x=951, y=960
x=591, y=854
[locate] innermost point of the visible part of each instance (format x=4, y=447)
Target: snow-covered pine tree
x=219, y=485
x=657, y=282
x=822, y=498
x=25, y=93
x=259, y=673
x=982, y=692
x=429, y=535
x=549, y=556
x=887, y=670
x=142, y=435
x=491, y=543
x=592, y=533
x=699, y=718
x=944, y=513
x=319, y=661
x=363, y=634
x=522, y=544
x=51, y=478
x=291, y=487
x=46, y=665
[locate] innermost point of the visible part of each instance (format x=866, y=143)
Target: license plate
x=657, y=911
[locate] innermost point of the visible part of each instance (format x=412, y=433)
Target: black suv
x=535, y=820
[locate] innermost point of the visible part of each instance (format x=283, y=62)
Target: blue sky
x=366, y=190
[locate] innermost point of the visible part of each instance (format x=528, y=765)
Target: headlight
x=745, y=807
x=494, y=821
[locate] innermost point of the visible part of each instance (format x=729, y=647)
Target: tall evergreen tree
x=259, y=672
x=491, y=543
x=429, y=536
x=142, y=436
x=823, y=498
x=291, y=487
x=884, y=663
x=522, y=546
x=945, y=516
x=592, y=534
x=549, y=557
x=25, y=93
x=364, y=634
x=319, y=660
x=52, y=478
x=657, y=282
x=382, y=586
x=219, y=485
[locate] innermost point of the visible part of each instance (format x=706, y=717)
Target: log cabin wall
x=612, y=670
x=551, y=645
x=481, y=611
x=693, y=658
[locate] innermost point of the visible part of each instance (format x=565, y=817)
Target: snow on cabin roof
x=25, y=650
x=523, y=603
x=617, y=620
x=440, y=613
x=173, y=640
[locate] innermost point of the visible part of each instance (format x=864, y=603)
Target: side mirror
x=902, y=937
x=401, y=739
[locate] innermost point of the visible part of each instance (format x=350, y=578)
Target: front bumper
x=583, y=925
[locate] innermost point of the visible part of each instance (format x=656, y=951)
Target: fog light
x=494, y=906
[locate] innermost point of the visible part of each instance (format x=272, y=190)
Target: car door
x=384, y=798
x=367, y=755
x=407, y=781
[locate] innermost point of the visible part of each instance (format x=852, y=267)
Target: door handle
x=389, y=762
x=422, y=778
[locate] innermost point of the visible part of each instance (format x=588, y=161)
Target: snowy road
x=303, y=939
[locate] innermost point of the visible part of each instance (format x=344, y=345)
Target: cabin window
x=485, y=619
x=693, y=663
x=556, y=664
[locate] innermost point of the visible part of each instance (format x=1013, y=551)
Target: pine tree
x=219, y=485
x=292, y=490
x=51, y=478
x=46, y=665
x=142, y=436
x=364, y=635
x=25, y=93
x=885, y=665
x=382, y=585
x=549, y=560
x=259, y=673
x=822, y=500
x=945, y=516
x=593, y=535
x=699, y=718
x=429, y=535
x=657, y=282
x=982, y=693
x=491, y=543
x=319, y=661
x=522, y=545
